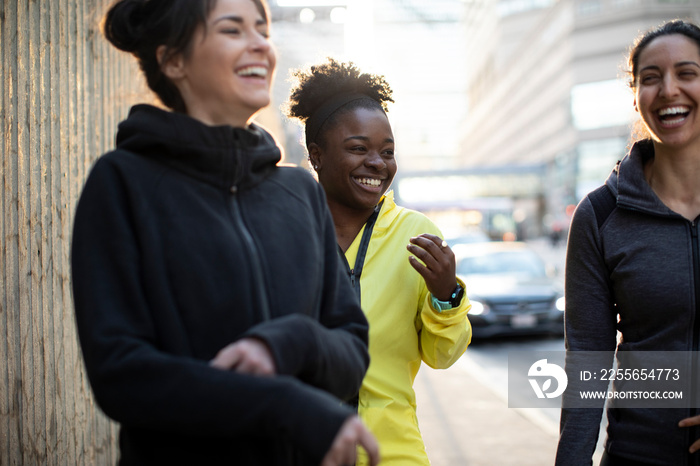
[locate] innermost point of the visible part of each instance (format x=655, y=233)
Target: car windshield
x=503, y=262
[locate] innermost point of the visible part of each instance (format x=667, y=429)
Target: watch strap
x=455, y=299
x=440, y=305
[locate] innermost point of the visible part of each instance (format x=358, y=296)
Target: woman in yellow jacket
x=400, y=266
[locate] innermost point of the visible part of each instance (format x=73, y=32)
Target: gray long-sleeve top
x=641, y=264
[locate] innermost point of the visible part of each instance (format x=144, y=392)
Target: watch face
x=457, y=296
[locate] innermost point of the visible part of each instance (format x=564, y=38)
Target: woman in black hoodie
x=216, y=324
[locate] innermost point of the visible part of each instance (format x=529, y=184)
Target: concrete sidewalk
x=465, y=423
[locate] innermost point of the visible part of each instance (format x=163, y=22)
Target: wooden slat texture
x=64, y=91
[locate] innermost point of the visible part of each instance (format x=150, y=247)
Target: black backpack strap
x=603, y=202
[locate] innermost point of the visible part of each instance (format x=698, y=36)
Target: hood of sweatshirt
x=219, y=155
x=629, y=185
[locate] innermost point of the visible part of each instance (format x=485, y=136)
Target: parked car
x=511, y=289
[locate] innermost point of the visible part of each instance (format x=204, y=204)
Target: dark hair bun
x=140, y=27
x=123, y=25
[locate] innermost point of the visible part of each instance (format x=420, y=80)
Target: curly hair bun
x=325, y=81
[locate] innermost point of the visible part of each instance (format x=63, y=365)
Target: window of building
x=624, y=3
x=601, y=104
x=596, y=159
x=512, y=7
x=588, y=7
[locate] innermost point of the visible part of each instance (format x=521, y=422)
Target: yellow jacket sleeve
x=444, y=336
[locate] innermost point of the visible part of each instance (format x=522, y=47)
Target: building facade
x=548, y=88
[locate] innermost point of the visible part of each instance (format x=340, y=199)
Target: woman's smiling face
x=667, y=93
x=226, y=76
x=356, y=165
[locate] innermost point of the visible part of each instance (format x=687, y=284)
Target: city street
x=464, y=415
x=463, y=411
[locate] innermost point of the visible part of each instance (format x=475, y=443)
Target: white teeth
x=673, y=110
x=673, y=122
x=369, y=182
x=253, y=71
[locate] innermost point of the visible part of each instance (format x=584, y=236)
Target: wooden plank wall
x=64, y=91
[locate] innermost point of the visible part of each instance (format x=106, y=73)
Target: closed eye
x=649, y=79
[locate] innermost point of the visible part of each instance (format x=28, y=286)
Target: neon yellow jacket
x=403, y=330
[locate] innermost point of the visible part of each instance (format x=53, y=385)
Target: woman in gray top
x=633, y=260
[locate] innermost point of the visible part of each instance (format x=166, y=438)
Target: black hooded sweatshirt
x=187, y=238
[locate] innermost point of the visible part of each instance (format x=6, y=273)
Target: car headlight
x=478, y=308
x=561, y=304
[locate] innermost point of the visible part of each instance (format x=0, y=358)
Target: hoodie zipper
x=694, y=432
x=696, y=276
x=249, y=245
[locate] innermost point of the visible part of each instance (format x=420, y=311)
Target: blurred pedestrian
x=632, y=263
x=555, y=234
x=396, y=258
x=215, y=319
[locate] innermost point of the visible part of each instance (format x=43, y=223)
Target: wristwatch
x=455, y=299
x=456, y=296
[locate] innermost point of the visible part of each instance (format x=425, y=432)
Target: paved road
x=463, y=411
x=464, y=415
x=465, y=423
x=489, y=358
